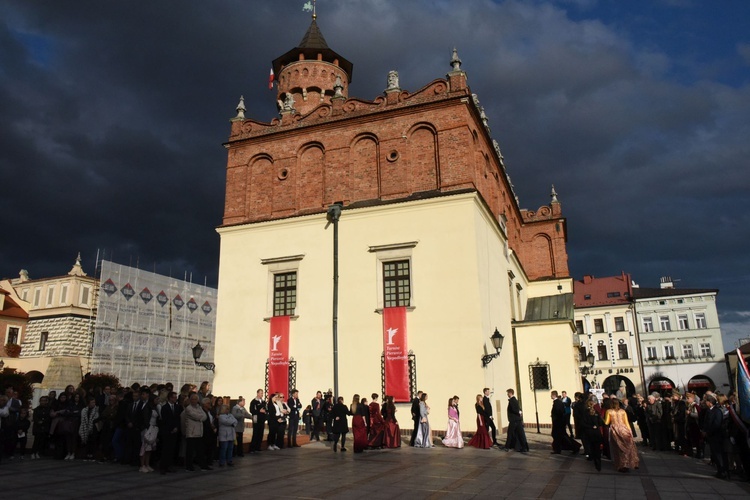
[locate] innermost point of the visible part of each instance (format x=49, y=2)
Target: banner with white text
x=278, y=356
x=396, y=354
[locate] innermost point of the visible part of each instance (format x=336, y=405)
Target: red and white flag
x=270, y=79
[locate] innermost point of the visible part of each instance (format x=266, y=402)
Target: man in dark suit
x=712, y=428
x=560, y=438
x=415, y=416
x=295, y=406
x=138, y=419
x=489, y=416
x=516, y=433
x=169, y=432
x=258, y=411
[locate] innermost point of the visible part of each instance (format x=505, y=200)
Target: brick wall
x=352, y=150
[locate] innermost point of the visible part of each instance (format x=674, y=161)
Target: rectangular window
x=700, y=320
x=582, y=354
x=284, y=294
x=651, y=353
x=396, y=284
x=540, y=377
x=602, y=351
x=84, y=296
x=706, y=350
x=37, y=296
x=668, y=352
x=648, y=324
x=622, y=351
x=43, y=341
x=619, y=324
x=599, y=325
x=63, y=294
x=612, y=295
x=13, y=335
x=664, y=322
x=687, y=351
x=682, y=322
x=579, y=327
x=50, y=295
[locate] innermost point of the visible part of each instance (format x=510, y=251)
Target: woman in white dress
x=424, y=437
x=453, y=437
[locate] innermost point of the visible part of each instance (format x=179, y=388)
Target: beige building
x=429, y=221
x=56, y=347
x=606, y=328
x=681, y=342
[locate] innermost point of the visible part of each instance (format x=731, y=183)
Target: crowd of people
x=683, y=424
x=154, y=427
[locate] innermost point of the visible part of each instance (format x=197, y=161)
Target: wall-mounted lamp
x=497, y=343
x=197, y=352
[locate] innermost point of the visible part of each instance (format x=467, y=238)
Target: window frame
x=389, y=253
x=598, y=325
x=602, y=349
x=669, y=351
x=664, y=320
x=620, y=349
x=393, y=295
x=648, y=324
x=289, y=293
x=652, y=353
x=619, y=323
x=682, y=322
x=16, y=330
x=700, y=321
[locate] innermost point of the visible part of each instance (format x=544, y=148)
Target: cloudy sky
x=112, y=116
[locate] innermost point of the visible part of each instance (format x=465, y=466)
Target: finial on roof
x=338, y=87
x=241, y=108
x=553, y=194
x=77, y=270
x=455, y=61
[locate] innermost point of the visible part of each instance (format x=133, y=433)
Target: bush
x=19, y=382
x=12, y=350
x=100, y=380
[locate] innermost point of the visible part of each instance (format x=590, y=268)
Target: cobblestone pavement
x=314, y=471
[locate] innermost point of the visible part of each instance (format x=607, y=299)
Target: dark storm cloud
x=114, y=114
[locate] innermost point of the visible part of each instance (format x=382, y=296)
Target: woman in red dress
x=377, y=424
x=359, y=428
x=481, y=438
x=392, y=431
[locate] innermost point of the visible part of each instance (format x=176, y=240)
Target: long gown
x=621, y=444
x=424, y=435
x=359, y=428
x=453, y=437
x=481, y=438
x=377, y=426
x=392, y=432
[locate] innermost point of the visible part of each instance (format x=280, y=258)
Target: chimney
x=666, y=282
x=587, y=279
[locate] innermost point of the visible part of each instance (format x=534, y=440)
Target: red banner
x=396, y=354
x=278, y=356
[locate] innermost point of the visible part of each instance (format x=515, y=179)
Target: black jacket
x=514, y=410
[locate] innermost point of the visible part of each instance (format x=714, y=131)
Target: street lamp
x=497, y=343
x=585, y=370
x=333, y=213
x=197, y=352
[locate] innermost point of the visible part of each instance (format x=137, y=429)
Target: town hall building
x=378, y=245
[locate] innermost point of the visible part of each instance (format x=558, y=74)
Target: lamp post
x=585, y=370
x=332, y=215
x=497, y=342
x=197, y=353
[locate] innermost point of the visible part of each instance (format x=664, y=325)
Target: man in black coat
x=516, y=433
x=415, y=416
x=295, y=406
x=259, y=412
x=169, y=432
x=560, y=438
x=489, y=416
x=712, y=428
